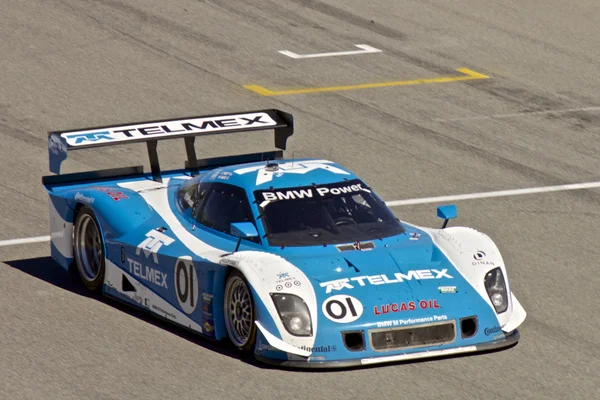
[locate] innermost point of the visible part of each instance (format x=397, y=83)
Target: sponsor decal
x=411, y=321
x=114, y=194
x=484, y=262
x=147, y=273
x=342, y=308
x=163, y=313
x=479, y=258
x=169, y=128
x=83, y=198
x=492, y=330
x=415, y=236
x=285, y=280
x=313, y=349
x=186, y=284
x=319, y=349
x=447, y=289
x=225, y=175
x=207, y=314
x=153, y=242
x=383, y=279
x=209, y=328
x=265, y=174
x=75, y=139
x=405, y=306
x=310, y=192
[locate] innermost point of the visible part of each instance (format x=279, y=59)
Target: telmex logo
x=292, y=167
x=418, y=275
x=88, y=137
x=166, y=128
x=153, y=242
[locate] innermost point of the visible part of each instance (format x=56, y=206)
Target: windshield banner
x=302, y=193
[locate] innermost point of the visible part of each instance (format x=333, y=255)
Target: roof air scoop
x=356, y=246
x=272, y=167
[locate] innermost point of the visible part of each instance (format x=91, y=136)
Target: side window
x=186, y=195
x=190, y=196
x=223, y=205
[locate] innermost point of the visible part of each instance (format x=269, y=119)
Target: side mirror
x=447, y=213
x=242, y=230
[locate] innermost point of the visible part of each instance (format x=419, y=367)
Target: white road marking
x=366, y=49
x=397, y=203
x=13, y=242
x=498, y=193
x=520, y=114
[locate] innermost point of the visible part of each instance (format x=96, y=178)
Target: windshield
x=325, y=214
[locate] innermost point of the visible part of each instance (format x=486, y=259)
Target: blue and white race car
x=296, y=261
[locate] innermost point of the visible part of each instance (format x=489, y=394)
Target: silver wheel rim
x=88, y=248
x=238, y=311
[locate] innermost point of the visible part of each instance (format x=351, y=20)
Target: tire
x=88, y=248
x=239, y=312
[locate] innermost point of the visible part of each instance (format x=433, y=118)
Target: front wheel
x=239, y=312
x=89, y=249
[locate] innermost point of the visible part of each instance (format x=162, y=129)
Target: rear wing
x=61, y=142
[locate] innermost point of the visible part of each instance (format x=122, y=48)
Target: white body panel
x=61, y=232
x=459, y=245
x=263, y=272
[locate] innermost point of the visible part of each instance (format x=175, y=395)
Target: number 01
x=186, y=284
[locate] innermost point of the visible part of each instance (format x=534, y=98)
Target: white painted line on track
x=498, y=193
x=396, y=203
x=515, y=115
x=366, y=49
x=13, y=242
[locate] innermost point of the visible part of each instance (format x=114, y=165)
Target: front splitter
x=509, y=340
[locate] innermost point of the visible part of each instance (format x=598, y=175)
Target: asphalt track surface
x=76, y=63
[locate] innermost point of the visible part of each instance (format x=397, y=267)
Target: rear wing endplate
x=59, y=143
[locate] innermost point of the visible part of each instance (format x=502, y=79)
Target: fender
x=268, y=273
x=61, y=230
x=474, y=254
x=126, y=208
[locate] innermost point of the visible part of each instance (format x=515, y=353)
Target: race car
x=296, y=261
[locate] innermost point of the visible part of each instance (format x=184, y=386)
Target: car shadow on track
x=47, y=270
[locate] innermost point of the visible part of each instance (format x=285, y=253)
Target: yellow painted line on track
x=469, y=75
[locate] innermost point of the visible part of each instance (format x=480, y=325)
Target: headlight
x=294, y=313
x=496, y=289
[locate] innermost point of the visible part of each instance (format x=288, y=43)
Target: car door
x=209, y=209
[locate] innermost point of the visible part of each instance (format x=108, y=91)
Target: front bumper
x=510, y=339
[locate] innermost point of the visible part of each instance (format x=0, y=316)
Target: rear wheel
x=239, y=312
x=88, y=247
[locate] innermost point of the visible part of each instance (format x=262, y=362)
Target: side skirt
x=120, y=285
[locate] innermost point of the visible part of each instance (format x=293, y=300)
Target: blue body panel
x=397, y=281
